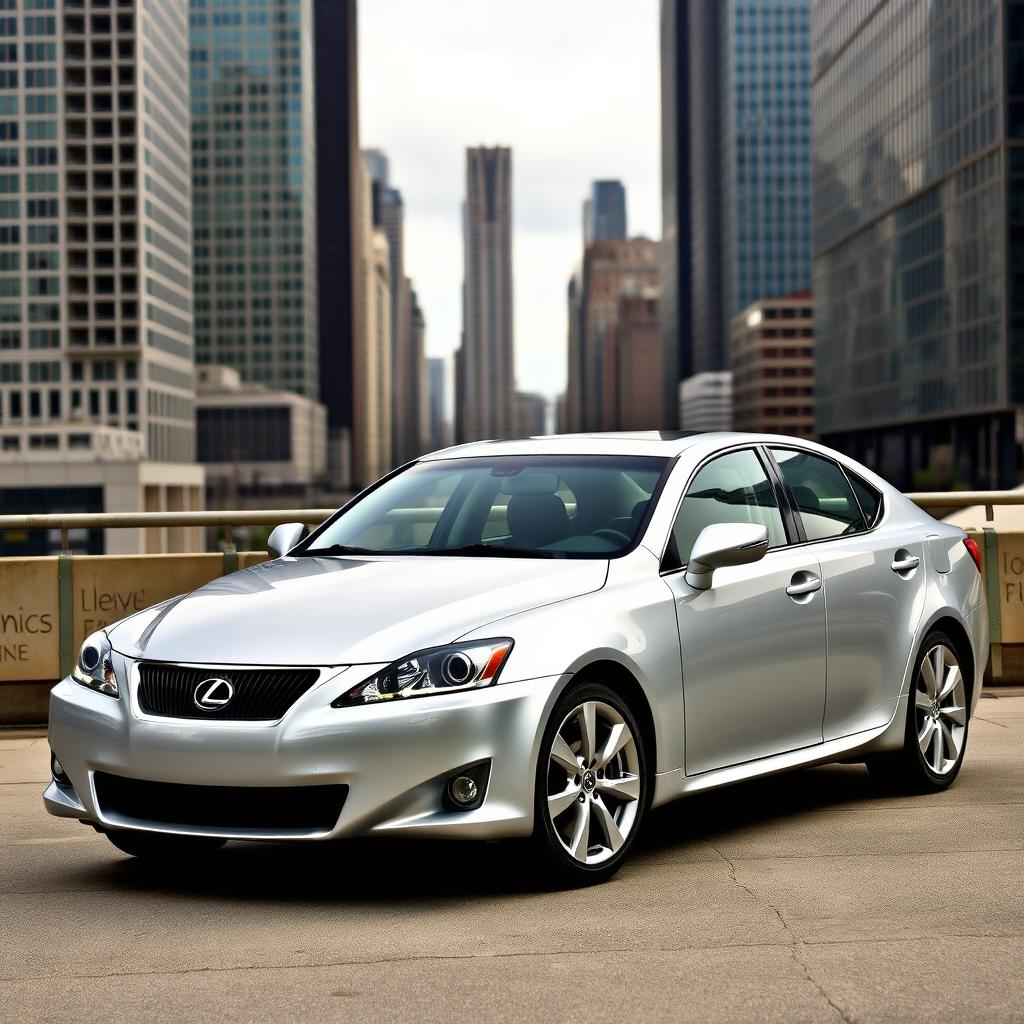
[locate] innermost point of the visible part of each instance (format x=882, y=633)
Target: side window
x=823, y=495
x=733, y=488
x=870, y=500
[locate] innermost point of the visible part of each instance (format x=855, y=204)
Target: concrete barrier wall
x=49, y=605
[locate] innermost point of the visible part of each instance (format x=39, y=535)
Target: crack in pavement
x=795, y=940
x=513, y=954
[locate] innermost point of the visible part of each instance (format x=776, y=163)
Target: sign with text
x=29, y=621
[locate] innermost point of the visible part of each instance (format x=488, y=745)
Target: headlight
x=94, y=667
x=437, y=670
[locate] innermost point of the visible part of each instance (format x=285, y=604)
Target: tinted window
x=733, y=488
x=870, y=500
x=822, y=493
x=554, y=506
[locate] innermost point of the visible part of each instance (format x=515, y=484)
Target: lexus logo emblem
x=212, y=694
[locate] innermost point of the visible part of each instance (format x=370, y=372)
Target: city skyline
x=568, y=120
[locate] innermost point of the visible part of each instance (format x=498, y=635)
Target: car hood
x=337, y=611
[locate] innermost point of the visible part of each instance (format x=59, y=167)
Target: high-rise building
x=96, y=363
x=439, y=429
x=485, y=380
x=735, y=168
x=918, y=220
x=638, y=376
x=408, y=325
x=574, y=353
x=610, y=269
x=372, y=384
x=414, y=381
x=254, y=180
x=339, y=247
x=771, y=351
x=604, y=212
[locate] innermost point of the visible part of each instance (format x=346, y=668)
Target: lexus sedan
x=536, y=638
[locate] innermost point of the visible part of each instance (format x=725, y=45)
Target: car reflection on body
x=541, y=638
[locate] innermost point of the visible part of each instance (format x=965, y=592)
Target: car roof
x=652, y=442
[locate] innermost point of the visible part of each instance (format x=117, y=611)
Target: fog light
x=57, y=770
x=466, y=788
x=463, y=789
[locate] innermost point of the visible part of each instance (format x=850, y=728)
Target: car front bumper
x=394, y=758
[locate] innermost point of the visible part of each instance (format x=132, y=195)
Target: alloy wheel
x=593, y=782
x=940, y=705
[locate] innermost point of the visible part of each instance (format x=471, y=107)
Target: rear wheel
x=591, y=784
x=937, y=720
x=163, y=845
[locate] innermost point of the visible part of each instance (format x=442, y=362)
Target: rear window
x=870, y=500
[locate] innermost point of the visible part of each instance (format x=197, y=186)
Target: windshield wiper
x=492, y=550
x=338, y=549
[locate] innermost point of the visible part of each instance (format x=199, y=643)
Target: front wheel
x=937, y=720
x=591, y=784
x=156, y=846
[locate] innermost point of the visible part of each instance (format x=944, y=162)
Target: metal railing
x=310, y=516
x=966, y=499
x=124, y=520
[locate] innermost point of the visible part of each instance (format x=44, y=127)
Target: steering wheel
x=609, y=533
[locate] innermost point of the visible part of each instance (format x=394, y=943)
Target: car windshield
x=538, y=506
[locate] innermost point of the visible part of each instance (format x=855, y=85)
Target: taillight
x=973, y=550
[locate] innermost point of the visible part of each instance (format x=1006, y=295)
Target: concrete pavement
x=808, y=897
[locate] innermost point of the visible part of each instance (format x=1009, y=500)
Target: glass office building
x=918, y=234
x=254, y=190
x=735, y=168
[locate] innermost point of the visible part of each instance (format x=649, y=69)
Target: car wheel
x=591, y=784
x=937, y=721
x=161, y=845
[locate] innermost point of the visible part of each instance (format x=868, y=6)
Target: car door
x=874, y=580
x=753, y=645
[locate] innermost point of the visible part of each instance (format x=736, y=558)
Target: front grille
x=241, y=808
x=258, y=694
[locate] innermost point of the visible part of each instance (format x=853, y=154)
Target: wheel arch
x=949, y=624
x=619, y=678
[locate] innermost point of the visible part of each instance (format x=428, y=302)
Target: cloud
x=570, y=85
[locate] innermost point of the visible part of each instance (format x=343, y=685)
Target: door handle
x=808, y=585
x=906, y=563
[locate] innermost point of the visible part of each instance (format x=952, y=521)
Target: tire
x=157, y=846
x=937, y=722
x=599, y=786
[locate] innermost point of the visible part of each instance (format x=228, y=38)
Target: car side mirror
x=284, y=538
x=723, y=544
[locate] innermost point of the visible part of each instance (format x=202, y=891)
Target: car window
x=822, y=493
x=733, y=488
x=572, y=506
x=870, y=500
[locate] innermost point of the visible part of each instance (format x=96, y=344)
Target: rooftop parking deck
x=814, y=896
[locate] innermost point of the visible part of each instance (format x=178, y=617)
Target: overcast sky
x=570, y=85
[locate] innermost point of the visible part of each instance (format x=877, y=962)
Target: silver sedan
x=540, y=638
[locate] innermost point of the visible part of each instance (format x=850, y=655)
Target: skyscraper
x=437, y=417
x=408, y=402
x=485, y=382
x=96, y=364
x=255, y=196
x=918, y=223
x=604, y=213
x=610, y=269
x=735, y=167
x=339, y=185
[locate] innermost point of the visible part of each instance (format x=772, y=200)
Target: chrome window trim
x=883, y=507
